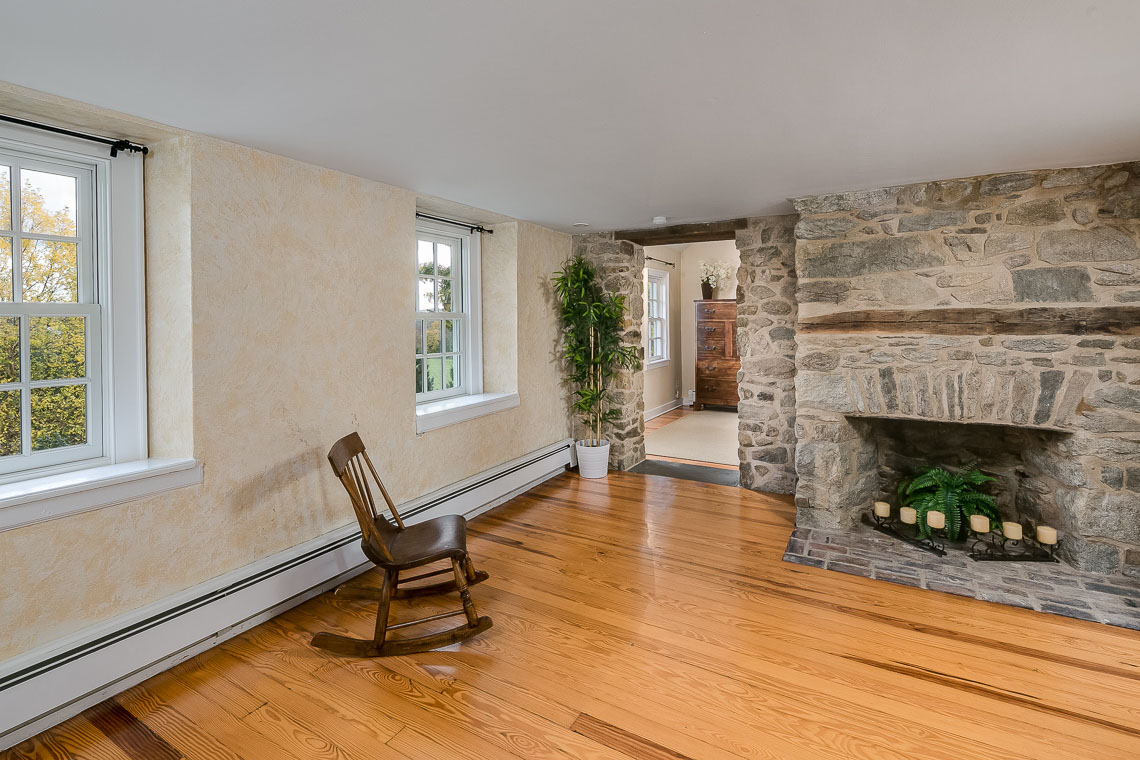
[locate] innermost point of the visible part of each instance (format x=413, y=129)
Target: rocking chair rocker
x=395, y=548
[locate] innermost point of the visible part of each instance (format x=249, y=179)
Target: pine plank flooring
x=643, y=617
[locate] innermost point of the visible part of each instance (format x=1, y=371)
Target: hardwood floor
x=643, y=617
x=672, y=416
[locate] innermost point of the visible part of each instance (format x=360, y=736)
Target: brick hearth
x=1054, y=588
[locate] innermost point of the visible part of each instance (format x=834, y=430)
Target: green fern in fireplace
x=957, y=494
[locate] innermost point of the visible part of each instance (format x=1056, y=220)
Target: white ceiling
x=612, y=111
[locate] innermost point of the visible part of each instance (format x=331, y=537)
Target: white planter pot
x=593, y=461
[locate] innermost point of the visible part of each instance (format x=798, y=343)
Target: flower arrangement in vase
x=714, y=274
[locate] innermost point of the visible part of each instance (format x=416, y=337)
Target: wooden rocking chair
x=395, y=548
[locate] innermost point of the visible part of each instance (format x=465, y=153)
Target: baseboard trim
x=657, y=411
x=46, y=686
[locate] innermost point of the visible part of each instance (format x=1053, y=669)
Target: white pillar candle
x=908, y=515
x=882, y=509
x=936, y=520
x=1046, y=535
x=979, y=523
x=1011, y=530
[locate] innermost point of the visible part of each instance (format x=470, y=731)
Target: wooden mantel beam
x=1038, y=320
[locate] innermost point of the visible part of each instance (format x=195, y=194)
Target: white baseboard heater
x=46, y=686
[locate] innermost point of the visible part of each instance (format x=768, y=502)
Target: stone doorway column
x=620, y=266
x=766, y=339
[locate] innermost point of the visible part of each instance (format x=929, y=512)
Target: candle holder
x=908, y=533
x=996, y=547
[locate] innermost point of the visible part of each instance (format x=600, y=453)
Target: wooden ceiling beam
x=684, y=233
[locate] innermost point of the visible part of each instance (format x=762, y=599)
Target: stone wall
x=766, y=340
x=620, y=264
x=1068, y=236
x=1000, y=258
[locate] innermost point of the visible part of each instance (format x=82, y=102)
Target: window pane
x=419, y=375
x=434, y=371
x=419, y=336
x=5, y=269
x=9, y=423
x=451, y=336
x=57, y=347
x=450, y=371
x=50, y=273
x=5, y=197
x=9, y=349
x=424, y=262
x=432, y=336
x=47, y=203
x=443, y=259
x=446, y=302
x=59, y=417
x=425, y=299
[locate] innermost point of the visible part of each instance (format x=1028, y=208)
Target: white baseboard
x=50, y=684
x=657, y=411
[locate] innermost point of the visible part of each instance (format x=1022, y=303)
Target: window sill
x=436, y=414
x=657, y=363
x=39, y=499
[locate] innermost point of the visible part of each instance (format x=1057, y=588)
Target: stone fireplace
x=994, y=318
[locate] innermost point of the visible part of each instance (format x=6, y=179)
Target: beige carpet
x=707, y=436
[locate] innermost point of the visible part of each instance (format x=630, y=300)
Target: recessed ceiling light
x=580, y=224
x=659, y=220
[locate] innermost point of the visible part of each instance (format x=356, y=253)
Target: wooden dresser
x=717, y=358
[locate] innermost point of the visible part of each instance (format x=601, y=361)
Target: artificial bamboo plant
x=592, y=323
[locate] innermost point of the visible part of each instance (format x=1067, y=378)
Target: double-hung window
x=58, y=398
x=447, y=314
x=657, y=309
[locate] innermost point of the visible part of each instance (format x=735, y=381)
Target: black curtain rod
x=116, y=145
x=660, y=261
x=456, y=222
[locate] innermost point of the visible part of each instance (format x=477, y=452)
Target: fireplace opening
x=1025, y=461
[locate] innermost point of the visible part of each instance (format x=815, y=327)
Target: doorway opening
x=691, y=360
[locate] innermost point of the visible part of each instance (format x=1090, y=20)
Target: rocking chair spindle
x=394, y=548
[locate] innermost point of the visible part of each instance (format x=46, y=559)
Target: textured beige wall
x=170, y=360
x=300, y=286
x=499, y=253
x=690, y=266
x=663, y=383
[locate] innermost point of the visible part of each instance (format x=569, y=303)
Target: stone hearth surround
x=1007, y=299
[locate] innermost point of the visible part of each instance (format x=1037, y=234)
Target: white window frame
x=114, y=291
x=661, y=280
x=470, y=381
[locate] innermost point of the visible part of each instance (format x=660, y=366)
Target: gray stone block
x=1003, y=184
x=1035, y=213
x=1100, y=244
x=1054, y=284
x=856, y=258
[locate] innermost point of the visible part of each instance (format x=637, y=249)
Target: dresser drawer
x=723, y=368
x=710, y=347
x=725, y=310
x=711, y=330
x=717, y=390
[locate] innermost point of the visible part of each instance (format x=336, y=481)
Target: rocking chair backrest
x=351, y=464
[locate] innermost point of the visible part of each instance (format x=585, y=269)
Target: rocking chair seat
x=444, y=537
